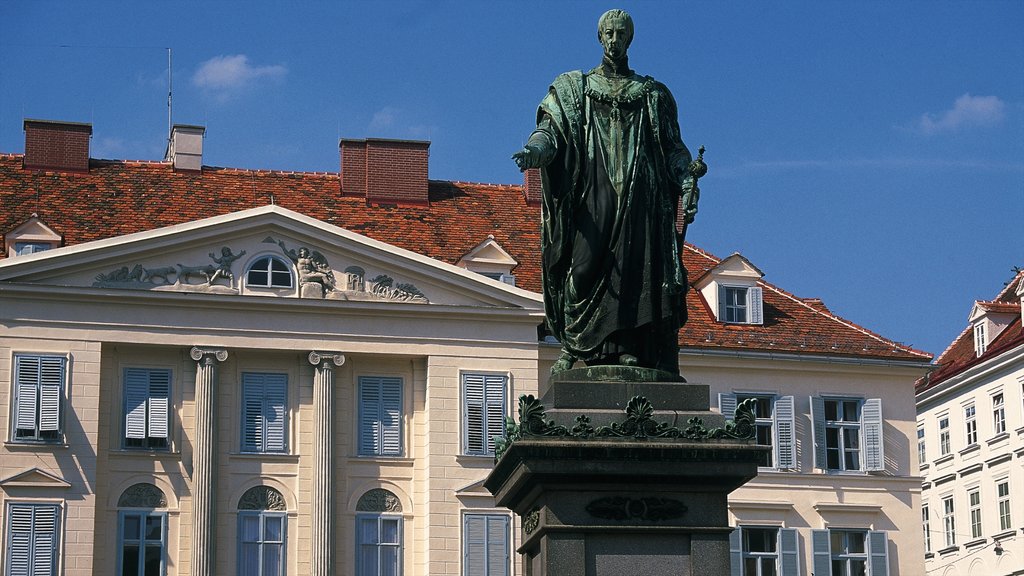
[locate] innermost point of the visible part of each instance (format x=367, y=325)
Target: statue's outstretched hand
x=527, y=158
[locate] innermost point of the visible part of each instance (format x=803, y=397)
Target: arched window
x=379, y=534
x=269, y=272
x=261, y=532
x=142, y=531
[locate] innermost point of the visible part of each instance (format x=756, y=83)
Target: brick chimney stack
x=385, y=171
x=532, y=187
x=53, y=145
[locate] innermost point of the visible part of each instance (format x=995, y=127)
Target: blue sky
x=870, y=154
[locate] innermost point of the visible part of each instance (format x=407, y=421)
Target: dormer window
x=489, y=259
x=740, y=304
x=26, y=248
x=980, y=343
x=732, y=292
x=31, y=237
x=269, y=272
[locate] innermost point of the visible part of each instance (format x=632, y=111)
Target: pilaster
x=323, y=458
x=204, y=459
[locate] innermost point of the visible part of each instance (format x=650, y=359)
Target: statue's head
x=615, y=32
x=303, y=252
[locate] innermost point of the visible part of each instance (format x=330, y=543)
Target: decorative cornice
x=209, y=354
x=317, y=357
x=826, y=507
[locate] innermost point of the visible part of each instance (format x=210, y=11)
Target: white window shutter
x=818, y=417
x=252, y=412
x=789, y=546
x=136, y=392
x=391, y=417
x=497, y=545
x=727, y=404
x=159, y=403
x=369, y=415
x=878, y=550
x=495, y=392
x=27, y=389
x=51, y=381
x=473, y=408
x=871, y=424
x=736, y=552
x=755, y=305
x=275, y=413
x=822, y=550
x=785, y=433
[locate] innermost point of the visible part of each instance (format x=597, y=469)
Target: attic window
x=740, y=304
x=269, y=272
x=26, y=248
x=491, y=260
x=980, y=343
x=30, y=237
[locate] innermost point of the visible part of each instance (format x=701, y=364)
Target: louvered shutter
x=755, y=305
x=785, y=436
x=878, y=550
x=818, y=418
x=51, y=381
x=727, y=404
x=871, y=424
x=788, y=545
x=721, y=303
x=369, y=415
x=822, y=550
x=497, y=545
x=495, y=398
x=32, y=540
x=736, y=552
x=44, y=553
x=473, y=406
x=27, y=389
x=252, y=412
x=391, y=416
x=136, y=392
x=159, y=403
x=19, y=540
x=474, y=561
x=275, y=413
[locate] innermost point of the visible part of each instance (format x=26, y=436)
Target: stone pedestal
x=614, y=476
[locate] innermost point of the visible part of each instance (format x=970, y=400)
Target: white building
x=970, y=444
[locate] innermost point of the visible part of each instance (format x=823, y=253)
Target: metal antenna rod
x=169, y=78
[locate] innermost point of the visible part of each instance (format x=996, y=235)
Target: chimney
x=532, y=187
x=385, y=171
x=185, y=149
x=53, y=145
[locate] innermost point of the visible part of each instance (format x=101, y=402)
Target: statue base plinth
x=599, y=496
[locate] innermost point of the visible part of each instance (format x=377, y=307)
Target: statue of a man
x=613, y=168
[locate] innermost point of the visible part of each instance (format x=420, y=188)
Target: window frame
x=506, y=543
x=980, y=340
x=381, y=434
x=971, y=424
x=949, y=521
x=17, y=398
x=975, y=512
x=270, y=272
x=846, y=556
x=1003, y=504
x=846, y=429
x=998, y=413
x=927, y=526
x=266, y=402
x=33, y=538
x=489, y=409
x=399, y=546
x=735, y=300
x=945, y=444
x=922, y=448
x=35, y=247
x=143, y=514
x=261, y=541
x=149, y=442
x=783, y=454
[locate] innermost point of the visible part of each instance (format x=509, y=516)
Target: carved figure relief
x=262, y=498
x=142, y=495
x=379, y=500
x=139, y=277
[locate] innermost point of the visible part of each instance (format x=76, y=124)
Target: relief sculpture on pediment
x=216, y=277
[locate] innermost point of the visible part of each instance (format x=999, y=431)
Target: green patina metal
x=638, y=425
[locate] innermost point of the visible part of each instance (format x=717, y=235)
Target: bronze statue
x=613, y=168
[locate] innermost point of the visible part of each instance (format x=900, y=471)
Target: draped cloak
x=613, y=280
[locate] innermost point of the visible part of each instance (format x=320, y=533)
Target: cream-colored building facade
x=970, y=445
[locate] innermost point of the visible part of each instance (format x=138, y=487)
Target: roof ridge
x=470, y=183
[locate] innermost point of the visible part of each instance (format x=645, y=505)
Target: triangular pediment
x=735, y=268
x=263, y=252
x=488, y=253
x=34, y=478
x=33, y=230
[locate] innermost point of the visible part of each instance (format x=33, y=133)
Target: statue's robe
x=613, y=279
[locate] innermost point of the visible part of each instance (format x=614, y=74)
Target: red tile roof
x=121, y=197
x=960, y=355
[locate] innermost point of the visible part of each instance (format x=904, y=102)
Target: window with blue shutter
x=380, y=416
x=38, y=393
x=763, y=551
x=146, y=408
x=485, y=545
x=32, y=539
x=841, y=552
x=264, y=412
x=483, y=409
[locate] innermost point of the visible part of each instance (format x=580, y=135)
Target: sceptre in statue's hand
x=691, y=194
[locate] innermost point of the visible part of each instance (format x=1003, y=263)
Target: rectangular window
x=922, y=455
x=971, y=423
x=944, y=447
x=927, y=525
x=948, y=521
x=974, y=505
x=485, y=545
x=261, y=538
x=842, y=434
x=998, y=414
x=33, y=539
x=841, y=425
x=146, y=408
x=775, y=424
x=483, y=409
x=264, y=412
x=380, y=416
x=980, y=343
x=1003, y=496
x=764, y=551
x=379, y=545
x=26, y=248
x=143, y=543
x=38, y=397
x=735, y=305
x=850, y=552
x=740, y=304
